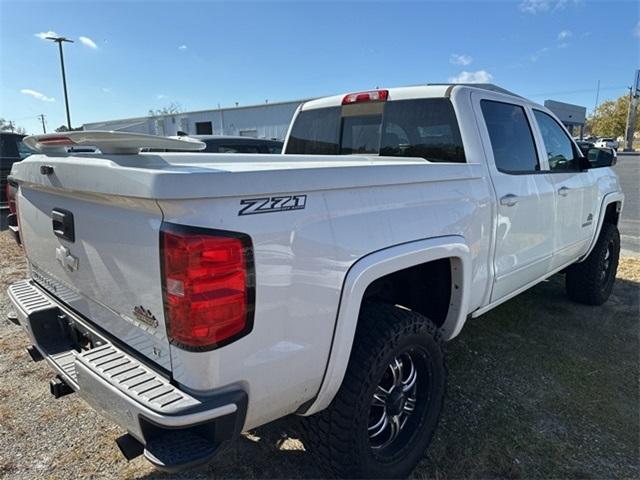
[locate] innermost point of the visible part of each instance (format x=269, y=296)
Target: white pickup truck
x=189, y=297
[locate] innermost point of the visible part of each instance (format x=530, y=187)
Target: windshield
x=425, y=128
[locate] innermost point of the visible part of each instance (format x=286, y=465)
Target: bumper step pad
x=179, y=450
x=176, y=429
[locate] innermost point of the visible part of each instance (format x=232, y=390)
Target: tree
x=610, y=118
x=9, y=126
x=64, y=128
x=171, y=109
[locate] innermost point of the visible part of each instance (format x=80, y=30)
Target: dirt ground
x=538, y=388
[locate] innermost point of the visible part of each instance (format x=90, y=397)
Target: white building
x=269, y=120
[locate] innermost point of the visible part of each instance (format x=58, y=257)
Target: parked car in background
x=584, y=146
x=607, y=143
x=11, y=150
x=233, y=144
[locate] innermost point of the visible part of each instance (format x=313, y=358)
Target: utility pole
x=634, y=94
x=597, y=97
x=221, y=119
x=44, y=128
x=60, y=41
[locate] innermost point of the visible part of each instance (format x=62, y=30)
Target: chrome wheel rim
x=394, y=401
x=606, y=263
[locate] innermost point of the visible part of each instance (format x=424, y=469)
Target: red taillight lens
x=370, y=96
x=11, y=197
x=207, y=286
x=56, y=140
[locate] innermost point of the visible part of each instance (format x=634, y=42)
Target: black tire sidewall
x=612, y=237
x=374, y=465
x=583, y=279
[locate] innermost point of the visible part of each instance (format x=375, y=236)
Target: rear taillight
x=370, y=96
x=208, y=286
x=11, y=197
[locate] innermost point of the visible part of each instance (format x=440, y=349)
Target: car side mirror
x=584, y=164
x=601, y=157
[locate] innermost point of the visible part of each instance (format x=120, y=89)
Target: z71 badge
x=282, y=203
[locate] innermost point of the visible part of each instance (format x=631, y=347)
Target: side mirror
x=601, y=157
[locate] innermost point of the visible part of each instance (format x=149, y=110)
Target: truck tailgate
x=99, y=254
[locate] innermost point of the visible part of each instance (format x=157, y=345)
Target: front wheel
x=591, y=281
x=383, y=417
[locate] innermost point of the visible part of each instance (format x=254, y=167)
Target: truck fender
x=374, y=266
x=608, y=199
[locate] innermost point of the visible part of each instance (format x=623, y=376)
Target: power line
x=569, y=92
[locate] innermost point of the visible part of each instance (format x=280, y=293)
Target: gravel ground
x=538, y=388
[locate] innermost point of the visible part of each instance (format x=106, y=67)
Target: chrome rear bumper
x=122, y=388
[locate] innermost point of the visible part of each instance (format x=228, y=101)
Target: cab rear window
x=425, y=128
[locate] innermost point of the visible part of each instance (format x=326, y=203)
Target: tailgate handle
x=63, y=224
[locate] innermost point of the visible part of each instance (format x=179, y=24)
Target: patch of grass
x=540, y=387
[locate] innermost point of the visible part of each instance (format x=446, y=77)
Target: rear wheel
x=386, y=411
x=591, y=281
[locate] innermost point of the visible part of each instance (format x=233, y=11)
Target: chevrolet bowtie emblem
x=68, y=261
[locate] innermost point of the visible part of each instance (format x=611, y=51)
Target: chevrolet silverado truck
x=189, y=297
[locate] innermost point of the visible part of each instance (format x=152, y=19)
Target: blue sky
x=130, y=57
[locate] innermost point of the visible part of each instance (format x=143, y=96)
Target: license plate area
x=56, y=332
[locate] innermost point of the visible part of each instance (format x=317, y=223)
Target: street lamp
x=59, y=41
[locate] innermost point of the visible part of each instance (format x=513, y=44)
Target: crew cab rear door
x=525, y=202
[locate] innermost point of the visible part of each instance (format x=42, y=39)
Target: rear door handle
x=509, y=200
x=564, y=191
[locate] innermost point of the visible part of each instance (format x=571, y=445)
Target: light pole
x=634, y=95
x=59, y=41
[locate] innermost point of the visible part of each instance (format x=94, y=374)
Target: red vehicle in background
x=11, y=150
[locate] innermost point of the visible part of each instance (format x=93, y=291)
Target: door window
x=514, y=150
x=557, y=144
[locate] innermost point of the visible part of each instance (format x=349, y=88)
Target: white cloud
x=542, y=6
x=636, y=31
x=182, y=47
x=88, y=42
x=106, y=90
x=480, y=76
x=463, y=60
x=538, y=53
x=160, y=96
x=564, y=34
x=44, y=35
x=37, y=95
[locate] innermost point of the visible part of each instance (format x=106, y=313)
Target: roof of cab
x=430, y=90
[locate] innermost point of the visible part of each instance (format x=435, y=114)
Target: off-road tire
x=338, y=437
x=590, y=282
